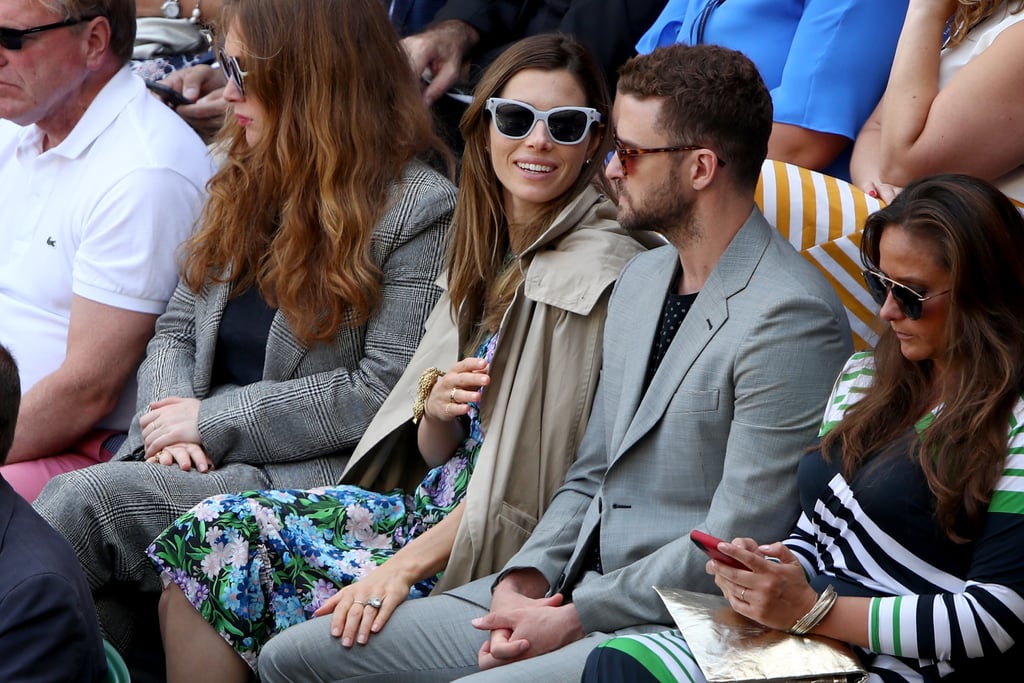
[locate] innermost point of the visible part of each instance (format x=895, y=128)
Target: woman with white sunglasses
x=532, y=258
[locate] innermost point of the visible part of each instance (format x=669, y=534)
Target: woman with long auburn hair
x=911, y=541
x=953, y=103
x=304, y=291
x=533, y=254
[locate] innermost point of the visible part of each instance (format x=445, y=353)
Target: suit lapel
x=209, y=312
x=284, y=351
x=709, y=313
x=649, y=293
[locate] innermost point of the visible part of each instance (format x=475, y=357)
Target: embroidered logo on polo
x=50, y=242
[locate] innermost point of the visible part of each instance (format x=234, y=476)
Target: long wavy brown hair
x=969, y=12
x=976, y=234
x=481, y=279
x=295, y=213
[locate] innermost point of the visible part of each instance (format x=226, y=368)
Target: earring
x=587, y=162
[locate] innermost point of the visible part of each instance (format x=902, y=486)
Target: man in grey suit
x=720, y=350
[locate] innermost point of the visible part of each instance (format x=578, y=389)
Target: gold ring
x=743, y=593
x=359, y=602
x=451, y=396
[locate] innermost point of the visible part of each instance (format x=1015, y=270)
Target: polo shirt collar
x=109, y=102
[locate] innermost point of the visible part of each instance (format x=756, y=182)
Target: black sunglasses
x=566, y=125
x=13, y=38
x=233, y=71
x=909, y=300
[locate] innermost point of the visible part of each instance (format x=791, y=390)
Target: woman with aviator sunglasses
x=534, y=252
x=911, y=541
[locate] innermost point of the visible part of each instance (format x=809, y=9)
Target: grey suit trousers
x=434, y=631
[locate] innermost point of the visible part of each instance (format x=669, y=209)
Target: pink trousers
x=30, y=476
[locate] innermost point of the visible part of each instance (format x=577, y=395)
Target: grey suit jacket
x=713, y=443
x=313, y=400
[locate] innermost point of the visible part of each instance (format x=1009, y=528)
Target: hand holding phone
x=168, y=94
x=709, y=545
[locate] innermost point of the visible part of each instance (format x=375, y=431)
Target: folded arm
x=923, y=129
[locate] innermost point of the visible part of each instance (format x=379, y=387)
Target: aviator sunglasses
x=908, y=300
x=232, y=70
x=13, y=38
x=566, y=125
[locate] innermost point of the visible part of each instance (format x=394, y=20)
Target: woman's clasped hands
x=775, y=594
x=170, y=433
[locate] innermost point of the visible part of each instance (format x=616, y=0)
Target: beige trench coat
x=534, y=412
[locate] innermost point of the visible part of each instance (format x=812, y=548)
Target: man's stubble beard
x=666, y=211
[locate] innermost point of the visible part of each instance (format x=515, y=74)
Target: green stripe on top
x=641, y=652
x=873, y=619
x=897, y=648
x=1010, y=502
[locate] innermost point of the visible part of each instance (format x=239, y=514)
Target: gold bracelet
x=427, y=381
x=821, y=607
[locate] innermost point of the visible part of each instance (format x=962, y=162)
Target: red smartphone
x=709, y=544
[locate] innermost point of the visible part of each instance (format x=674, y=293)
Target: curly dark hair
x=713, y=96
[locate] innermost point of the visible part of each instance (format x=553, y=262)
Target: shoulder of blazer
x=422, y=198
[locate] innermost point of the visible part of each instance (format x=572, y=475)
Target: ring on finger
x=359, y=602
x=742, y=594
x=451, y=396
x=375, y=602
x=447, y=409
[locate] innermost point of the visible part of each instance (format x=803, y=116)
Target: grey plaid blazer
x=314, y=400
x=293, y=429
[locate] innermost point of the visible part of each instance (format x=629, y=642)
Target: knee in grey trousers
x=429, y=640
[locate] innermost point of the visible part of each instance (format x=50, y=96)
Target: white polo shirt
x=100, y=215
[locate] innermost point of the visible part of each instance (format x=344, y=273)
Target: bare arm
x=864, y=167
x=105, y=345
x=210, y=9
x=440, y=430
x=956, y=129
x=804, y=147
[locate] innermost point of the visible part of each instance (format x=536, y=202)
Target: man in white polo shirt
x=99, y=184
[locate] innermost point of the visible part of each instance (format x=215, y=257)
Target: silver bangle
x=821, y=607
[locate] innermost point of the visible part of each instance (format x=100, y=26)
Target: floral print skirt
x=258, y=562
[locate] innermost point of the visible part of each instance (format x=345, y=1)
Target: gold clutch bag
x=729, y=648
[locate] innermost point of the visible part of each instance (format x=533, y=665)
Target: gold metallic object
x=426, y=383
x=729, y=648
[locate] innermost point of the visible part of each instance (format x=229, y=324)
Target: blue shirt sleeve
x=825, y=61
x=838, y=64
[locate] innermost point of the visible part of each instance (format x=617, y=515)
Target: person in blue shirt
x=826, y=63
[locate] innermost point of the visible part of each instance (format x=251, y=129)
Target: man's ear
x=704, y=168
x=97, y=42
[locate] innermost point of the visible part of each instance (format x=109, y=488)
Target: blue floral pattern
x=258, y=562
